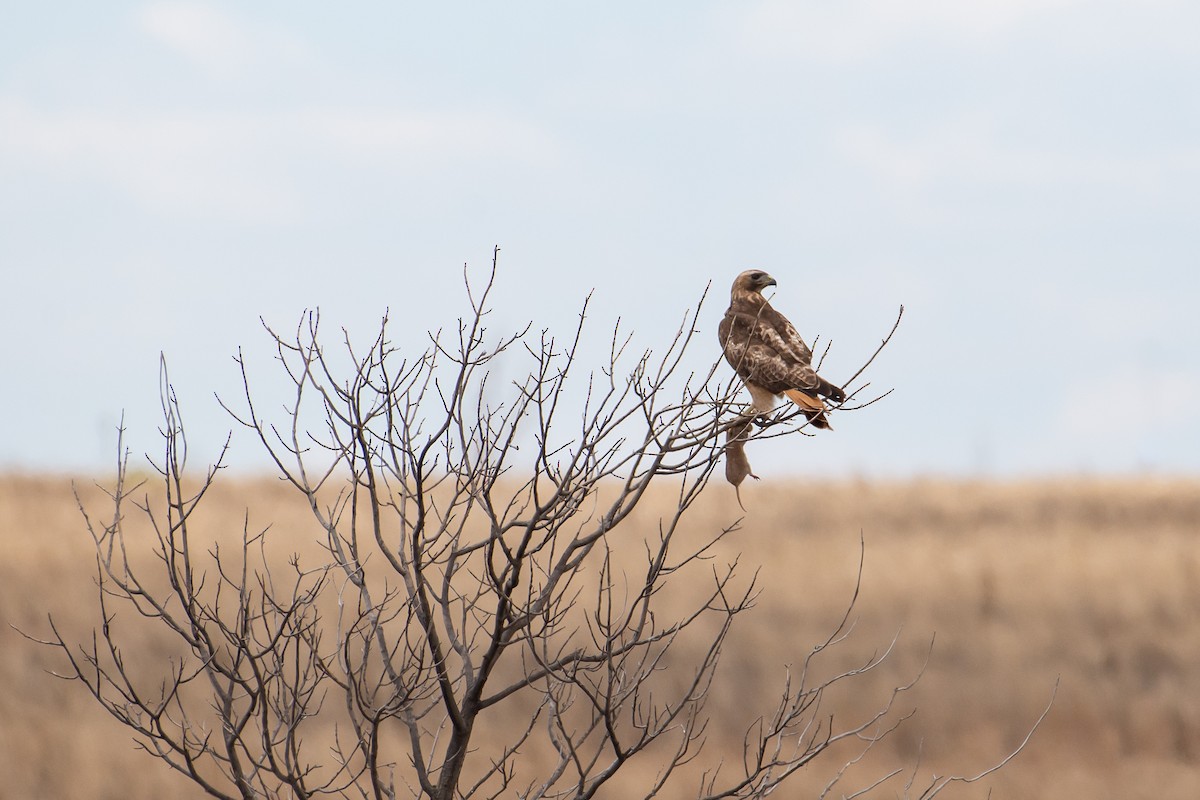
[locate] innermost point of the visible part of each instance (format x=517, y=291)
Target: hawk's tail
x=812, y=407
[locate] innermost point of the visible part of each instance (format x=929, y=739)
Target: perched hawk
x=767, y=353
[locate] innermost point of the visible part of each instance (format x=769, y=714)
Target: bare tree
x=482, y=620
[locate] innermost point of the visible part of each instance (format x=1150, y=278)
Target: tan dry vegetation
x=1016, y=583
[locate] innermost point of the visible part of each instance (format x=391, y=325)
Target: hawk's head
x=752, y=281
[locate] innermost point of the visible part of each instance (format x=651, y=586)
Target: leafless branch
x=478, y=593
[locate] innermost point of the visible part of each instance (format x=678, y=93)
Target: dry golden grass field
x=1094, y=584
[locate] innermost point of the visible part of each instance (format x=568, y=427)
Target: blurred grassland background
x=1022, y=176
x=1017, y=585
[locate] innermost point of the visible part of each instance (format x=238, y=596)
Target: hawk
x=768, y=354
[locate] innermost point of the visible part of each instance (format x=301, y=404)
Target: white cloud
x=1130, y=403
x=250, y=166
x=851, y=31
x=854, y=30
x=218, y=43
x=419, y=139
x=1130, y=418
x=180, y=161
x=1136, y=318
x=970, y=149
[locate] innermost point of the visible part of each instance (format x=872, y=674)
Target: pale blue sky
x=1023, y=175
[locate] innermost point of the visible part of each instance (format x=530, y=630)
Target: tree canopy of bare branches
x=481, y=621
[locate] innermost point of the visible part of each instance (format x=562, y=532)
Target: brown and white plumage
x=768, y=354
